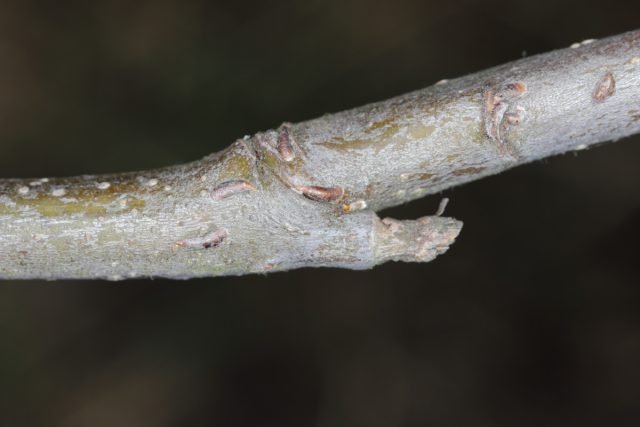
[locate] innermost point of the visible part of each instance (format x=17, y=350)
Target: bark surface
x=305, y=195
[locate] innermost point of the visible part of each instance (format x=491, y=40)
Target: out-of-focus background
x=531, y=319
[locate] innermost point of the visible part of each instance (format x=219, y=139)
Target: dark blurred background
x=531, y=319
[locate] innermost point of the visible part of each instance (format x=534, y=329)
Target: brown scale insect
x=322, y=194
x=229, y=188
x=284, y=146
x=207, y=241
x=605, y=87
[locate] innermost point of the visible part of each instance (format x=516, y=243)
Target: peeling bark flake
x=500, y=113
x=442, y=206
x=229, y=188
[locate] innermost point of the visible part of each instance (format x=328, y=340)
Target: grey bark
x=305, y=195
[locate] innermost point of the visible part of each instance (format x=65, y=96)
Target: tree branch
x=304, y=195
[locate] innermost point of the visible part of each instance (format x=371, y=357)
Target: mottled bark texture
x=304, y=195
